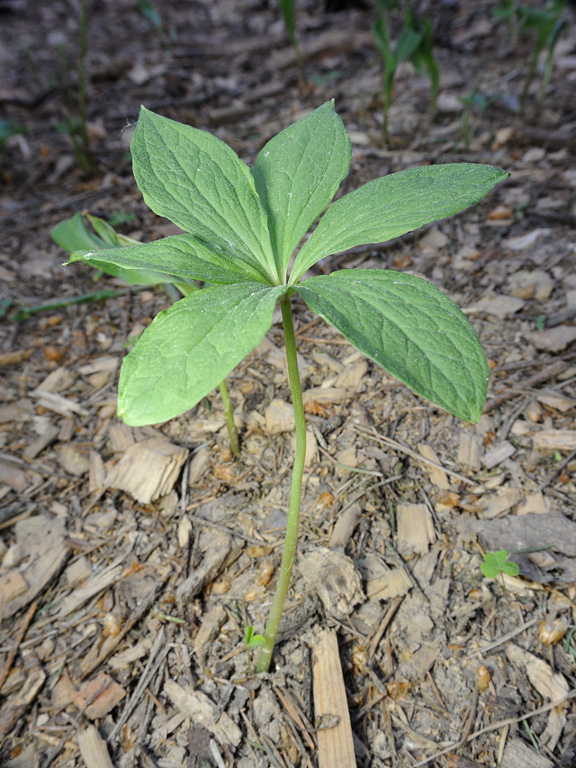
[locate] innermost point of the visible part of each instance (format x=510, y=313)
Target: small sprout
x=496, y=564
x=251, y=640
x=552, y=629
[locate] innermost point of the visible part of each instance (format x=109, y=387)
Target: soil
x=132, y=559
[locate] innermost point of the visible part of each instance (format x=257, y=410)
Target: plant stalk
x=229, y=414
x=295, y=492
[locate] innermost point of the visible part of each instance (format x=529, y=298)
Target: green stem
x=228, y=413
x=295, y=492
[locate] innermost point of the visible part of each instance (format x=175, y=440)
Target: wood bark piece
x=203, y=711
x=470, y=450
x=517, y=754
x=415, y=529
x=334, y=578
x=42, y=550
x=98, y=583
x=335, y=740
x=22, y=700
x=438, y=477
x=103, y=693
x=93, y=748
x=148, y=469
x=208, y=632
x=550, y=440
x=218, y=549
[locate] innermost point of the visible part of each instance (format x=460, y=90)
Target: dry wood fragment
x=21, y=702
x=555, y=440
x=24, y=624
x=334, y=578
x=497, y=454
x=415, y=529
x=549, y=685
x=438, y=477
x=518, y=754
x=98, y=583
x=217, y=548
x=93, y=748
x=470, y=450
x=335, y=740
x=345, y=525
x=392, y=584
x=103, y=693
x=547, y=373
x=211, y=625
x=42, y=550
x=148, y=469
x=279, y=417
x=49, y=434
x=203, y=711
x=16, y=478
x=52, y=401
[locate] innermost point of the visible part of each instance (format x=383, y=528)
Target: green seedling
x=497, y=564
x=414, y=44
x=475, y=102
x=252, y=641
x=547, y=23
x=73, y=235
x=242, y=232
x=288, y=12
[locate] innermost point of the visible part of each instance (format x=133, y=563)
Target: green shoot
x=288, y=12
x=242, y=228
x=497, y=563
x=414, y=44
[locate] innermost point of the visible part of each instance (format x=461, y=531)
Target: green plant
x=414, y=44
x=288, y=12
x=548, y=24
x=475, y=102
x=73, y=235
x=242, y=228
x=497, y=563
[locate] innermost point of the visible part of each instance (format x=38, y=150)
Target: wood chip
x=211, y=625
x=52, y=401
x=334, y=578
x=332, y=717
x=93, y=748
x=148, y=469
x=279, y=417
x=415, y=529
x=42, y=550
x=503, y=499
x=517, y=754
x=104, y=693
x=497, y=454
x=98, y=583
x=44, y=439
x=438, y=477
x=550, y=440
x=470, y=450
x=197, y=706
x=554, y=339
x=392, y=584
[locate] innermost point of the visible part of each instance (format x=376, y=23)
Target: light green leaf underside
x=197, y=181
x=411, y=329
x=393, y=205
x=179, y=256
x=297, y=174
x=191, y=347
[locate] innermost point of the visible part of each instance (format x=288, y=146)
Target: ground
x=133, y=558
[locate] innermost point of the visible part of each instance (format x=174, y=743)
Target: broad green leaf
x=297, y=174
x=197, y=181
x=189, y=349
x=411, y=329
x=393, y=205
x=73, y=235
x=176, y=256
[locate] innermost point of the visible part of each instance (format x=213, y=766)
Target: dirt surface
x=132, y=559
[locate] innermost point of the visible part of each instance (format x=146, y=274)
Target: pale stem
x=229, y=415
x=295, y=492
